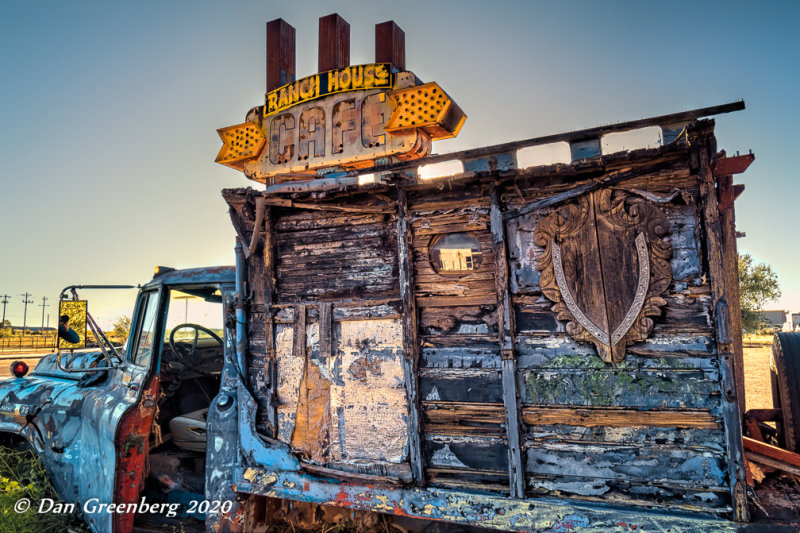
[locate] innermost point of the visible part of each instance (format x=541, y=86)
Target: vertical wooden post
x=731, y=263
x=280, y=54
x=703, y=147
x=410, y=342
x=390, y=44
x=334, y=43
x=505, y=327
x=271, y=370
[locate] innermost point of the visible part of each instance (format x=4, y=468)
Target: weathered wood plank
x=270, y=388
x=622, y=492
x=458, y=320
x=703, y=149
x=485, y=454
x=450, y=301
x=731, y=268
x=505, y=328
x=619, y=417
x=677, y=466
x=476, y=355
x=460, y=385
x=695, y=389
x=697, y=438
x=561, y=352
x=410, y=342
x=463, y=419
x=467, y=479
x=301, y=221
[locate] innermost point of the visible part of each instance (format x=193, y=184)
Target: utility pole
x=5, y=298
x=43, y=305
x=25, y=316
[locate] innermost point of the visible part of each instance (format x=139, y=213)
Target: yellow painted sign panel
x=355, y=78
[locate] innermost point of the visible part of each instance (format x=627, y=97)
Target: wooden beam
x=703, y=148
x=730, y=256
x=334, y=43
x=325, y=331
x=516, y=472
x=390, y=44
x=771, y=451
x=618, y=418
x=286, y=202
x=271, y=363
x=570, y=136
x=410, y=339
x=773, y=463
x=280, y=54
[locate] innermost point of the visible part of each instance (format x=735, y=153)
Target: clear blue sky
x=110, y=109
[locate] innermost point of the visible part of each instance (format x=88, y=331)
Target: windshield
x=201, y=306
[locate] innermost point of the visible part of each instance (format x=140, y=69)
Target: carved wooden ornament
x=605, y=264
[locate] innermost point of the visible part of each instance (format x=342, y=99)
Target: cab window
x=145, y=330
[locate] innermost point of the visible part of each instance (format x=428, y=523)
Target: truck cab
x=131, y=429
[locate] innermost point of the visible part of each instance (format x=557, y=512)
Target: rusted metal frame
x=731, y=416
x=599, y=131
x=410, y=339
x=505, y=327
x=731, y=261
x=271, y=371
x=484, y=510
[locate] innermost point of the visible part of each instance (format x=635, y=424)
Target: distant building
x=795, y=321
x=33, y=329
x=774, y=319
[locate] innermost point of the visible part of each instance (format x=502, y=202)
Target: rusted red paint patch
x=132, y=441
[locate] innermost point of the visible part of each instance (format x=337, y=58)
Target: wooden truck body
x=517, y=345
x=518, y=348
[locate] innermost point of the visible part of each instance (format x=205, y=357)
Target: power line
x=25, y=316
x=43, y=305
x=4, y=302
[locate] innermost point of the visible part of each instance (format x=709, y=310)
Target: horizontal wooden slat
x=448, y=301
x=672, y=465
x=460, y=385
x=463, y=419
x=648, y=389
x=542, y=416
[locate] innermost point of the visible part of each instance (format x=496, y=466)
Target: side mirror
x=72, y=324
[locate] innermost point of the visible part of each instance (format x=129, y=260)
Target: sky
x=109, y=113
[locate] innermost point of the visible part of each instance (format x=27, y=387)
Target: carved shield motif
x=605, y=264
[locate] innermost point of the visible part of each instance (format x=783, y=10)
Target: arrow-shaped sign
x=428, y=108
x=240, y=142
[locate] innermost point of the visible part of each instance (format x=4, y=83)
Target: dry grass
x=757, y=385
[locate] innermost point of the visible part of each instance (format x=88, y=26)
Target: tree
x=758, y=284
x=122, y=326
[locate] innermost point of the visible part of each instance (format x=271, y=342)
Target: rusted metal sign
x=347, y=117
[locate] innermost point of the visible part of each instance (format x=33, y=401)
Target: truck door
x=108, y=433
